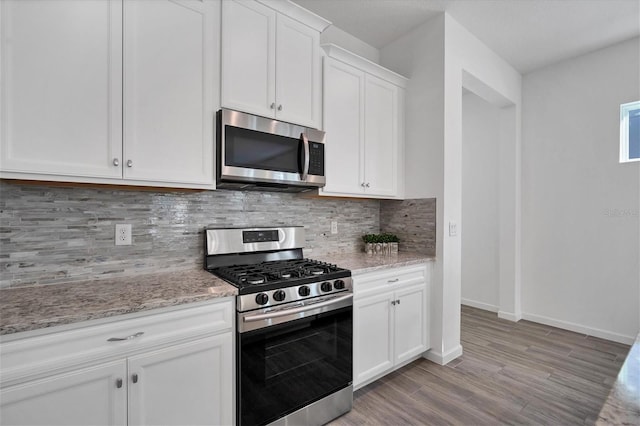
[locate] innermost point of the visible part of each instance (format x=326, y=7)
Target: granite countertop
x=622, y=406
x=35, y=307
x=361, y=263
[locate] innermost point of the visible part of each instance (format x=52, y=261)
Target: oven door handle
x=285, y=312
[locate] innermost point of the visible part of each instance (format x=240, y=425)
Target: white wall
x=581, y=221
x=480, y=203
x=419, y=56
x=435, y=56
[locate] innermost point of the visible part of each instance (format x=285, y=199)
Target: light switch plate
x=453, y=229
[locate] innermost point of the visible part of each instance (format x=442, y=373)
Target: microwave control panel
x=316, y=158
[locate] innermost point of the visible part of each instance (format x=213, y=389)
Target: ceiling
x=528, y=34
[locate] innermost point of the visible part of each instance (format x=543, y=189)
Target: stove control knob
x=338, y=285
x=304, y=291
x=326, y=286
x=279, y=295
x=262, y=299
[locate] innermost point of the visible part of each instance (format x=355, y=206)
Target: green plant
x=389, y=238
x=370, y=238
x=380, y=238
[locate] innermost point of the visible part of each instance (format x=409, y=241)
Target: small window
x=630, y=132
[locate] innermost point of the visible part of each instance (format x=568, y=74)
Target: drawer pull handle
x=134, y=378
x=394, y=281
x=398, y=302
x=120, y=339
x=119, y=383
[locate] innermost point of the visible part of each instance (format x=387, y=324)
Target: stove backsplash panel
x=52, y=234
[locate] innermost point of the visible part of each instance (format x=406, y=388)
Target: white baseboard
x=595, y=332
x=480, y=305
x=443, y=359
x=509, y=316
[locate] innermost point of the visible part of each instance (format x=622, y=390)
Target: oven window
x=285, y=367
x=256, y=150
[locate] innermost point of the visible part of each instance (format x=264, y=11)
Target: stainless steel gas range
x=294, y=336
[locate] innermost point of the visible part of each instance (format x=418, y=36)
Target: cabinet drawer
x=390, y=279
x=86, y=343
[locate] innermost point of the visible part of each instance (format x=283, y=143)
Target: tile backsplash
x=413, y=221
x=52, y=234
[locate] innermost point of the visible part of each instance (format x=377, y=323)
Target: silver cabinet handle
x=279, y=107
x=116, y=162
x=120, y=339
x=129, y=163
x=394, y=281
x=119, y=383
x=393, y=302
x=134, y=378
x=362, y=184
x=398, y=302
x=273, y=105
x=367, y=185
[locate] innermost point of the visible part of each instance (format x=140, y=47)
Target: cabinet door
x=297, y=73
x=188, y=384
x=248, y=57
x=169, y=76
x=344, y=126
x=372, y=337
x=381, y=137
x=89, y=396
x=61, y=85
x=410, y=322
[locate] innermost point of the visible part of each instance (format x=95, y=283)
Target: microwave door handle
x=305, y=167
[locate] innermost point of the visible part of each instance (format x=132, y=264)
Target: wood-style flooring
x=510, y=373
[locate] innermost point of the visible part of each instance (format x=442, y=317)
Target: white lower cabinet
x=391, y=311
x=86, y=396
x=187, y=384
x=178, y=376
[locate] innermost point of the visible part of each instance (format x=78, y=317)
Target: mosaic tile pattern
x=413, y=221
x=51, y=234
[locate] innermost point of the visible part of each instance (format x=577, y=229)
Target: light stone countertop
x=36, y=307
x=362, y=263
x=622, y=406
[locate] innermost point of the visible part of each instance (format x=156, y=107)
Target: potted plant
x=380, y=243
x=369, y=242
x=393, y=243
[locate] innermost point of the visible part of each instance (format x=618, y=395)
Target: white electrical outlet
x=334, y=226
x=123, y=234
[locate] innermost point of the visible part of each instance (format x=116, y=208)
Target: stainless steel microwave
x=261, y=153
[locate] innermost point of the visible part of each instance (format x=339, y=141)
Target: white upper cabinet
x=169, y=109
x=110, y=91
x=343, y=92
x=271, y=60
x=364, y=121
x=61, y=86
x=248, y=57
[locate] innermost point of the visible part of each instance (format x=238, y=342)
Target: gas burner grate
x=275, y=271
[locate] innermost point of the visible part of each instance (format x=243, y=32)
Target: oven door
x=287, y=366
